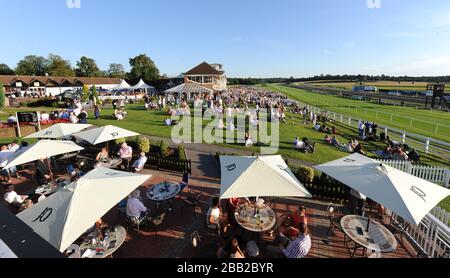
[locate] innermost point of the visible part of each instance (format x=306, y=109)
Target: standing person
x=374, y=130
x=83, y=116
x=42, y=172
x=97, y=111
x=114, y=104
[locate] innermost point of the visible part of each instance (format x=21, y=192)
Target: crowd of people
x=291, y=235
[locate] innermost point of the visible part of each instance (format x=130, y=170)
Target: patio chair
x=193, y=200
x=157, y=221
x=398, y=226
x=334, y=216
x=134, y=222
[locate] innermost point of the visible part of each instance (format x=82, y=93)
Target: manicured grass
x=386, y=85
x=152, y=123
x=421, y=122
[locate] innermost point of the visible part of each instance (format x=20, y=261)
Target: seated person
x=45, y=117
x=350, y=147
x=291, y=222
x=139, y=164
x=11, y=196
x=135, y=207
x=414, y=156
x=73, y=118
x=12, y=120
x=328, y=139
x=221, y=125
x=296, y=249
x=215, y=220
x=299, y=144
x=126, y=154
x=248, y=140
x=359, y=149
x=334, y=131
x=317, y=127
x=42, y=172
x=168, y=122
x=236, y=252
x=26, y=205
x=335, y=142
x=103, y=156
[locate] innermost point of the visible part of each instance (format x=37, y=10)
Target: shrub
x=143, y=144
x=305, y=174
x=2, y=96
x=94, y=96
x=164, y=148
x=85, y=94
x=43, y=102
x=181, y=152
x=120, y=141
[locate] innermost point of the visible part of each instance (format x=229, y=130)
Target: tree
x=2, y=96
x=87, y=67
x=85, y=94
x=116, y=71
x=94, y=95
x=5, y=70
x=57, y=66
x=143, y=67
x=31, y=65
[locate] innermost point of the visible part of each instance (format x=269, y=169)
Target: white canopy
x=258, y=176
x=122, y=86
x=141, y=85
x=408, y=196
x=59, y=131
x=42, y=149
x=104, y=134
x=64, y=216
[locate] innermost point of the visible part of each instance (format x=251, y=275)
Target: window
x=208, y=79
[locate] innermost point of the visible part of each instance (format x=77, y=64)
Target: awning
x=189, y=88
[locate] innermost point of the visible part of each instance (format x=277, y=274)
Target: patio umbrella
x=66, y=215
x=406, y=195
x=42, y=149
x=59, y=131
x=104, y=134
x=258, y=176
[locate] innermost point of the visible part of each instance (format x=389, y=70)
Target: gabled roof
x=189, y=88
x=9, y=79
x=203, y=68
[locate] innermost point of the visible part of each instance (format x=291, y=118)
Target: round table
x=111, y=164
x=105, y=248
x=378, y=238
x=263, y=222
x=52, y=187
x=163, y=191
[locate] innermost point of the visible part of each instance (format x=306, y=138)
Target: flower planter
x=8, y=132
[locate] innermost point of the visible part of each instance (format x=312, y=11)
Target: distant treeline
x=339, y=78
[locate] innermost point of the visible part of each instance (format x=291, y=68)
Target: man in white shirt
x=139, y=164
x=45, y=117
x=12, y=197
x=135, y=208
x=213, y=215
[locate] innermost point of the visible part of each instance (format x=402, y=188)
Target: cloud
x=348, y=45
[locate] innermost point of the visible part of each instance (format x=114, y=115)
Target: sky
x=251, y=38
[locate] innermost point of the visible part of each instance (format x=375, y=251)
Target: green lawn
x=423, y=121
x=152, y=123
x=385, y=85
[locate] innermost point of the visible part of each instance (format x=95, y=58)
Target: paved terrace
x=173, y=239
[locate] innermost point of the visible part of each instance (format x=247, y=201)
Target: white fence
x=439, y=175
x=416, y=141
x=432, y=235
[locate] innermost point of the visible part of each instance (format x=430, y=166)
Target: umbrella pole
x=368, y=217
x=50, y=169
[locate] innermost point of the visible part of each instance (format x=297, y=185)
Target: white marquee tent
x=122, y=86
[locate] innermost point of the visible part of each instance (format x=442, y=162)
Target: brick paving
x=173, y=239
